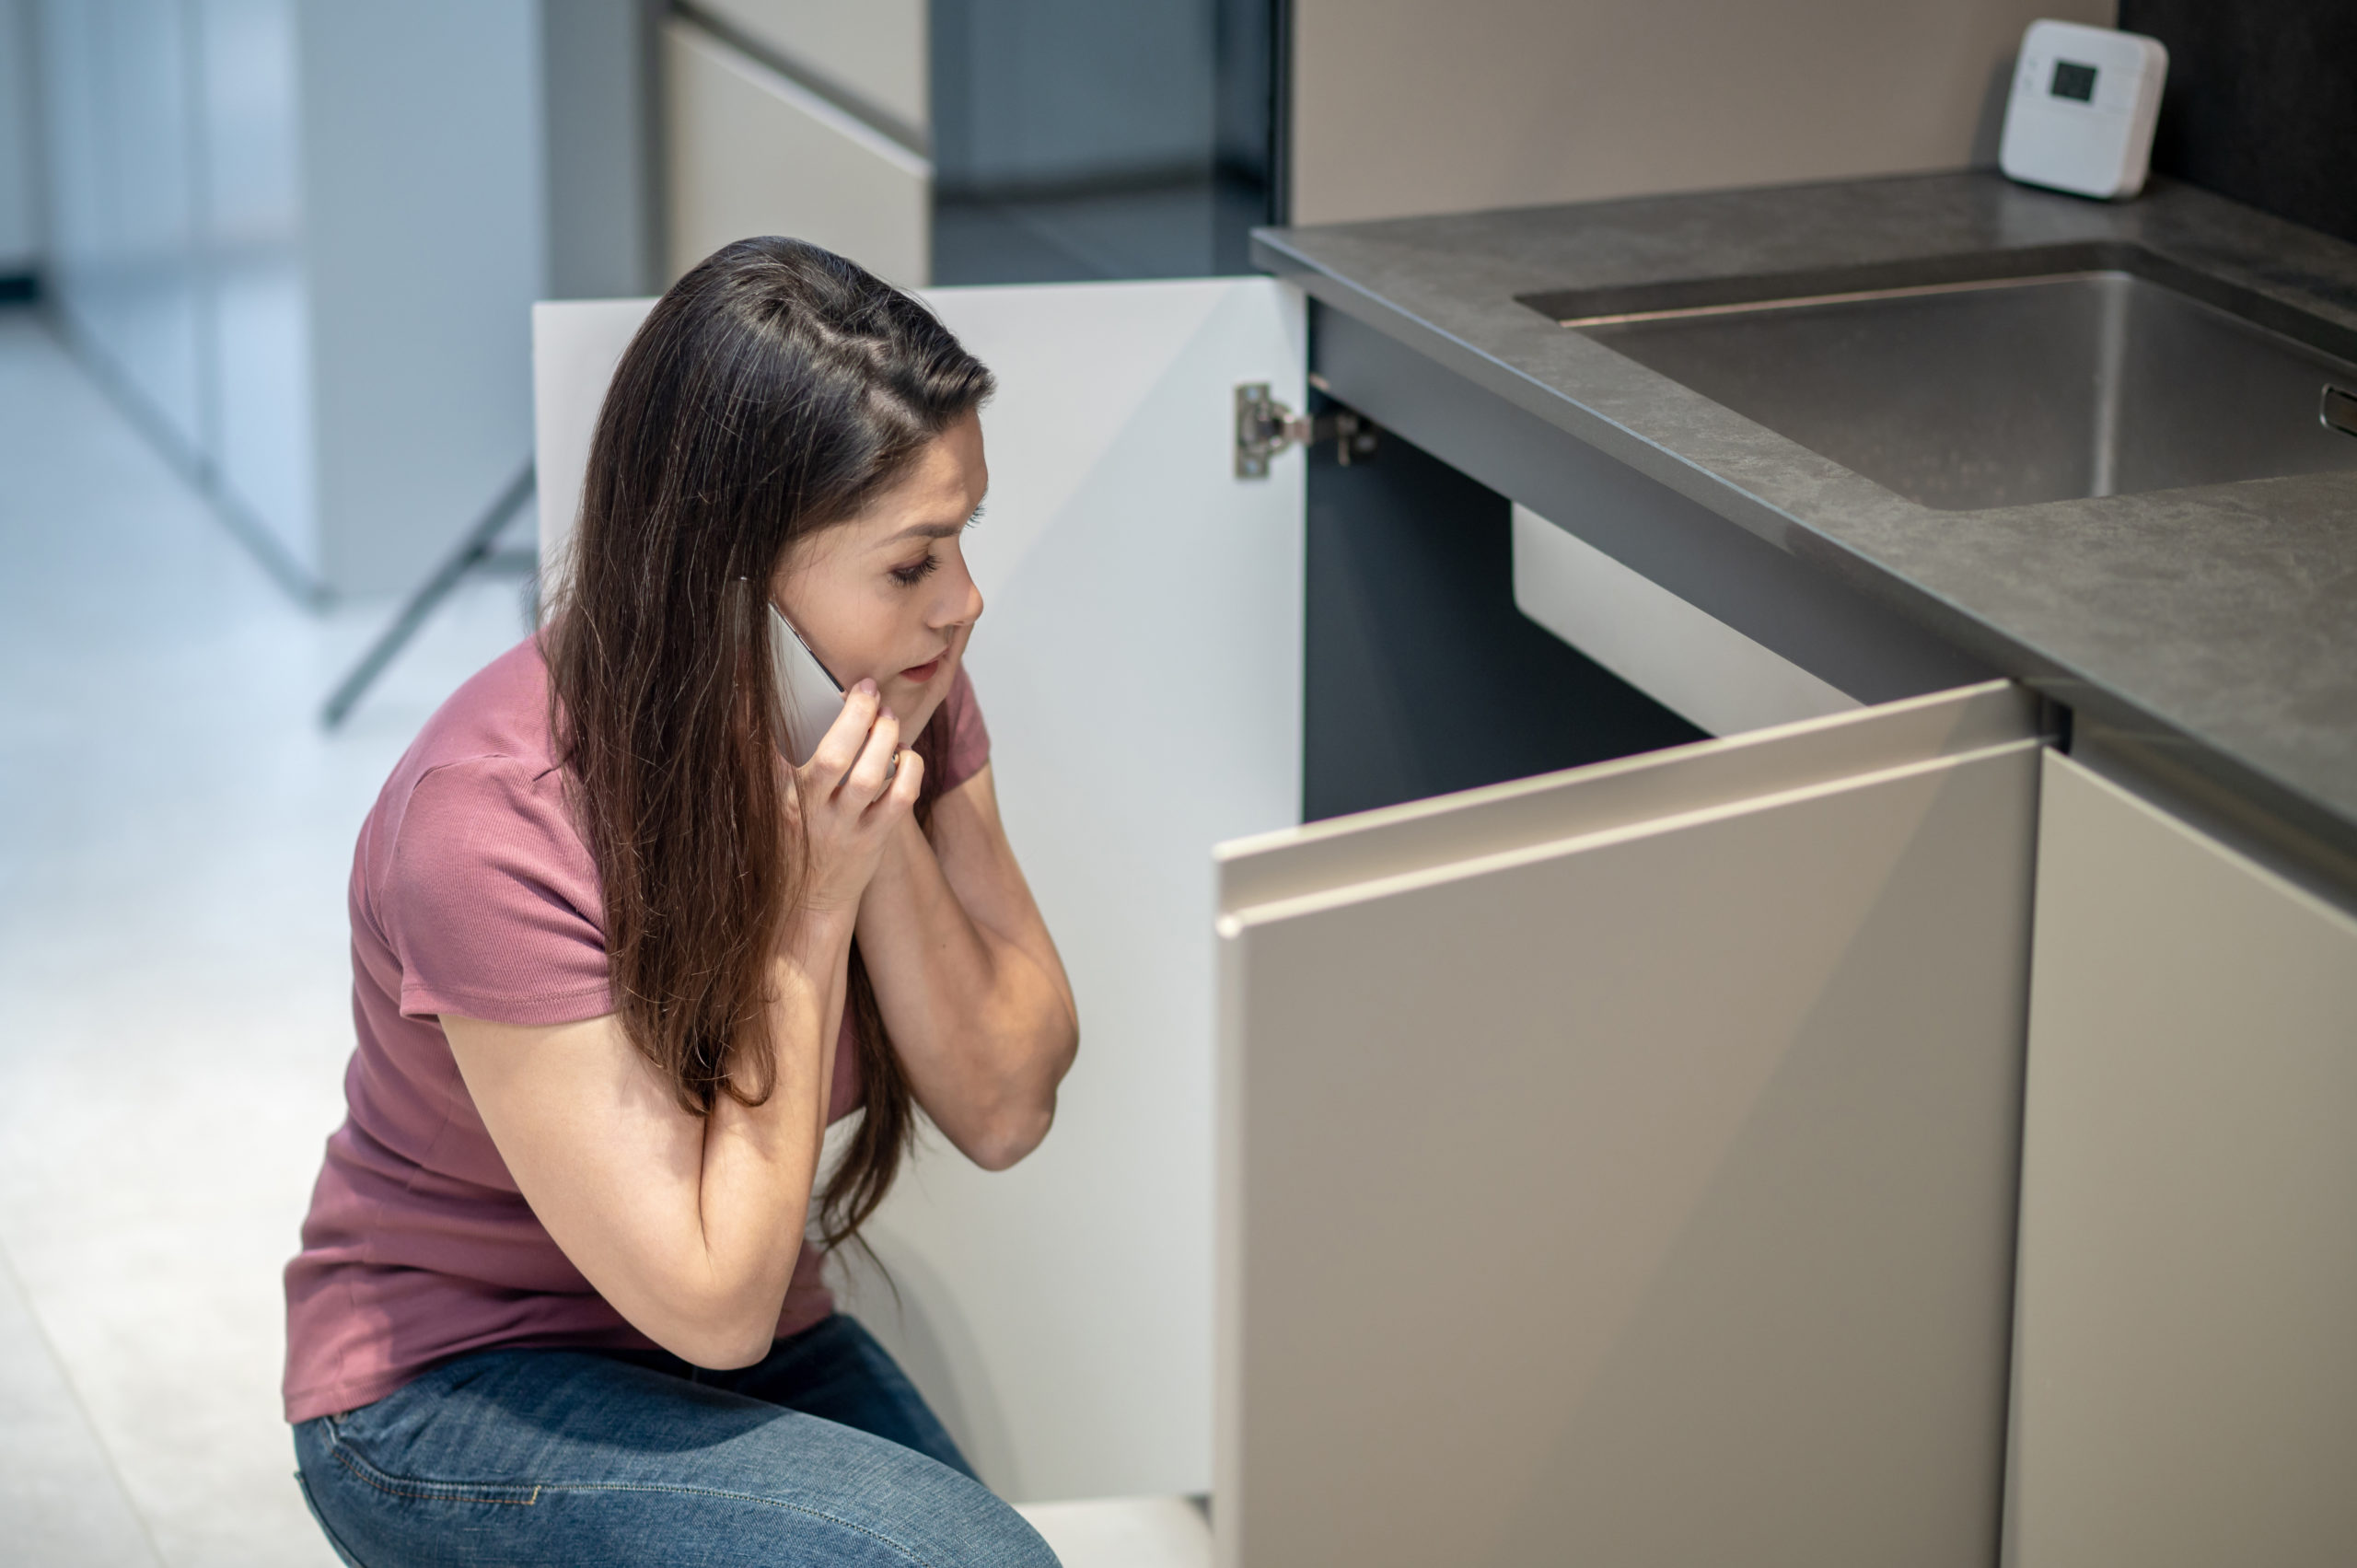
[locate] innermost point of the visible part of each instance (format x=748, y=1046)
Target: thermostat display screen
x=2074, y=80
x=2080, y=109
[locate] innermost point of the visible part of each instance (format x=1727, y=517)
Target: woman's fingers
x=840, y=747
x=872, y=771
x=907, y=780
x=851, y=793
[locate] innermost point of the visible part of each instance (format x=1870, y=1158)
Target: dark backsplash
x=2261, y=104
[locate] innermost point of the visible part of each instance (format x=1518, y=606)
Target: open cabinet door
x=1618, y=1167
x=1140, y=668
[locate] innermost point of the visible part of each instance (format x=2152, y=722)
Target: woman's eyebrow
x=936, y=531
x=928, y=530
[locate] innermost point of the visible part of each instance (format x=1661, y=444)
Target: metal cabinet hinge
x=1265, y=428
x=2337, y=410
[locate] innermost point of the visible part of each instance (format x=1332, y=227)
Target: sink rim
x=1956, y=478
x=1860, y=296
x=1938, y=273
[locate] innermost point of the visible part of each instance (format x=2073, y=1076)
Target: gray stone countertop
x=2218, y=624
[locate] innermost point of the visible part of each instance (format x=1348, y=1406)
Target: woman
x=618, y=965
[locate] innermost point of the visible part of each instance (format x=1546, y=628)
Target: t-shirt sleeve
x=960, y=747
x=490, y=901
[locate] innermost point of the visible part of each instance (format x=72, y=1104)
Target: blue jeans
x=820, y=1454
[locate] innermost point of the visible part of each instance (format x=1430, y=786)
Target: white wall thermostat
x=2082, y=108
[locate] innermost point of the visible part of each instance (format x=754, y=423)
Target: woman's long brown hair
x=772, y=392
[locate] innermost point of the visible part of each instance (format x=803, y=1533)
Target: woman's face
x=886, y=595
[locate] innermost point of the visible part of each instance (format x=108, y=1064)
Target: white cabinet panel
x=1690, y=662
x=575, y=346
x=876, y=49
x=2186, y=1387
x=1140, y=668
x=1601, y=1184
x=749, y=152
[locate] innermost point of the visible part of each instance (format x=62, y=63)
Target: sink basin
x=1970, y=382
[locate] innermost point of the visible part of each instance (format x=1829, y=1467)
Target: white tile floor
x=175, y=832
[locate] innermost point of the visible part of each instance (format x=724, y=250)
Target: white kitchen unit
x=1621, y=1164
x=2185, y=1380
x=799, y=121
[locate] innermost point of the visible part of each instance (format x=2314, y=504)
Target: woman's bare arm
x=689, y=1226
x=969, y=979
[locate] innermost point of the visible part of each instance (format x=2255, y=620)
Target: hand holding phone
x=851, y=797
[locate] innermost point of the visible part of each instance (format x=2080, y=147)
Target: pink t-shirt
x=472, y=892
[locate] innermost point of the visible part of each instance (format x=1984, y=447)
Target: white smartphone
x=809, y=698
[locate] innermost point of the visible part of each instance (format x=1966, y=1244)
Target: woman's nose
x=960, y=602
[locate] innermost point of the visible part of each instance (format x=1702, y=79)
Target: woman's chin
x=912, y=701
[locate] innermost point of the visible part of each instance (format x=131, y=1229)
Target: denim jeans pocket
x=356, y=1464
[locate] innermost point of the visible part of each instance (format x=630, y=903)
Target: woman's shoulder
x=501, y=710
x=472, y=868
x=480, y=782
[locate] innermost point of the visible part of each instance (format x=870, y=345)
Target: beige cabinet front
x=2186, y=1387
x=1619, y=1166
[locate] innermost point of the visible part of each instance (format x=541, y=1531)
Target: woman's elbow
x=719, y=1347
x=1006, y=1137
x=718, y=1334
x=1007, y=1124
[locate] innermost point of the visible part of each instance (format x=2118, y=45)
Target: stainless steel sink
x=2091, y=377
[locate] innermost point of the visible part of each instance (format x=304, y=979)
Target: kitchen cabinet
x=1622, y=1163
x=1619, y=1166
x=2185, y=1378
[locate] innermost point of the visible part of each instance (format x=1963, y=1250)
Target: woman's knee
x=969, y=1526
x=921, y=1510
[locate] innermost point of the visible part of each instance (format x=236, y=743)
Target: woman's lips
x=917, y=674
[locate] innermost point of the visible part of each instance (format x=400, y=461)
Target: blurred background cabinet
x=974, y=141
x=783, y=116
x=300, y=240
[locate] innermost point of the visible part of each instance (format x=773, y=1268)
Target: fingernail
x=866, y=687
